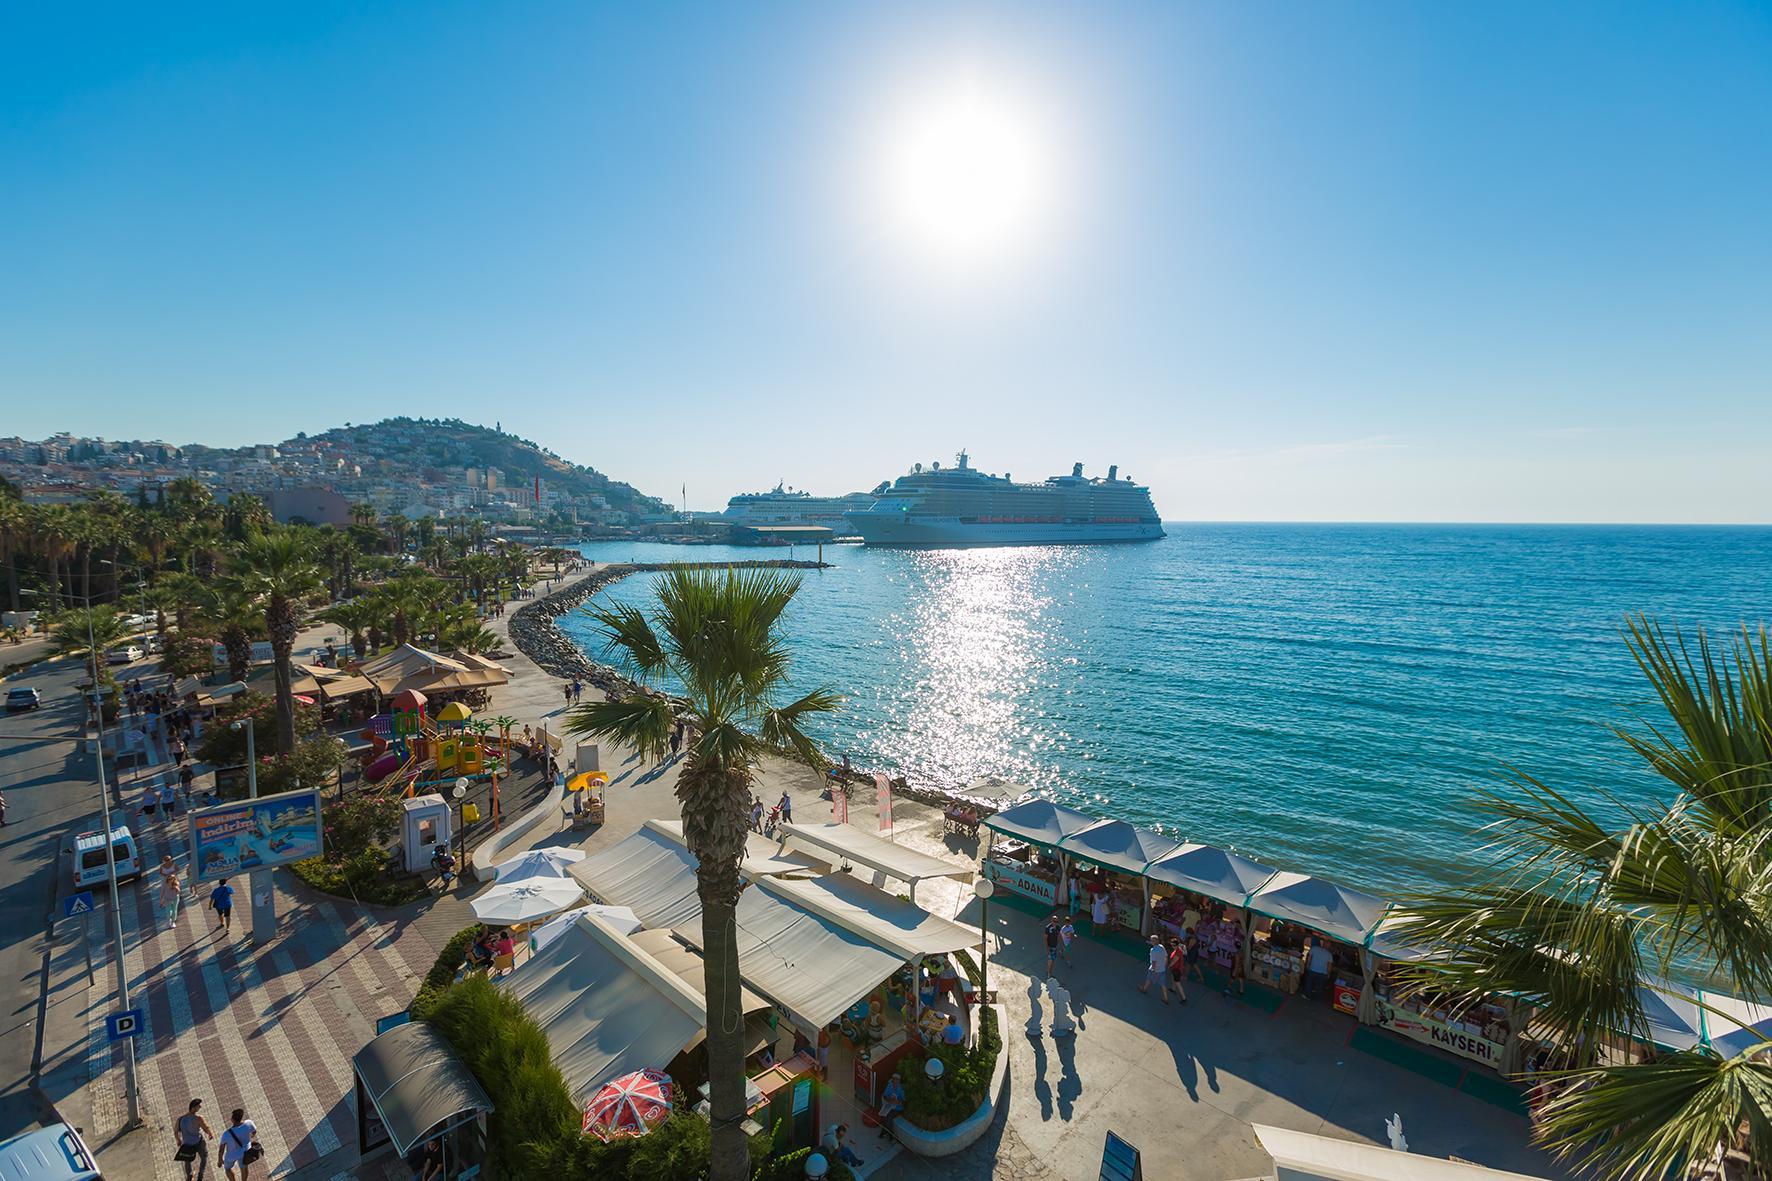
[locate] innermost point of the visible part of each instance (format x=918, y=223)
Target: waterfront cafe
x=1029, y=862
x=1106, y=864
x=1202, y=888
x=1298, y=912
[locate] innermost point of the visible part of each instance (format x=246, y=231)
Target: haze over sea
x=1326, y=698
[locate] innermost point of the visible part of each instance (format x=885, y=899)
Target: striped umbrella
x=632, y=1105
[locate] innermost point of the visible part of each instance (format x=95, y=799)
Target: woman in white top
x=237, y=1144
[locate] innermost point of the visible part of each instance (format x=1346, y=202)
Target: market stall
x=1314, y=931
x=1108, y=860
x=1202, y=889
x=1029, y=862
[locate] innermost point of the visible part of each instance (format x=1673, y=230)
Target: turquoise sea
x=1322, y=697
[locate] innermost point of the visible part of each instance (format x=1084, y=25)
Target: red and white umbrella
x=632, y=1105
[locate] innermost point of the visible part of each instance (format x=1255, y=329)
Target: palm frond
x=783, y=727
x=642, y=721
x=1661, y=1118
x=629, y=641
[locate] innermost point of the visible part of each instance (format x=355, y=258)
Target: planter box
x=967, y=1132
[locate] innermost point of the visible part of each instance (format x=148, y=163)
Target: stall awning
x=762, y=856
x=1336, y=911
x=1304, y=1154
x=416, y=1083
x=346, y=686
x=686, y=962
x=653, y=873
x=1040, y=822
x=1118, y=845
x=1738, y=1026
x=606, y=1005
x=1675, y=1020
x=809, y=965
x=845, y=842
x=1211, y=871
x=885, y=920
x=1386, y=942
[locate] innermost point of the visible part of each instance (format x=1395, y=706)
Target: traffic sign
x=75, y=904
x=122, y=1025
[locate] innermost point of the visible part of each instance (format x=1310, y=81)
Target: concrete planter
x=967, y=1132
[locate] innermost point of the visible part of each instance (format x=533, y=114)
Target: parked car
x=127, y=654
x=92, y=867
x=55, y=1153
x=137, y=622
x=22, y=697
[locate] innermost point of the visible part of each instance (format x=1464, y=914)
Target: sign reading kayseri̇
x=1422, y=1028
x=255, y=834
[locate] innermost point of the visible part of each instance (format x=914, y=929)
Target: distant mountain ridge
x=447, y=443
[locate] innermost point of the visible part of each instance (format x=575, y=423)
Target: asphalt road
x=50, y=789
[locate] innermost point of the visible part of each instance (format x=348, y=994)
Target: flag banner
x=883, y=793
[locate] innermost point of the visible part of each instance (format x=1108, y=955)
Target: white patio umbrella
x=538, y=863
x=526, y=901
x=621, y=918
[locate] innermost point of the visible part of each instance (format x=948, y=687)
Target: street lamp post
x=461, y=826
x=983, y=888
x=104, y=806
x=259, y=883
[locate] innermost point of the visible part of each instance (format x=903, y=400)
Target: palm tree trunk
x=239, y=647
x=714, y=810
x=281, y=623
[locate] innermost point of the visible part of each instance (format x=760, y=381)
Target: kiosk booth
x=424, y=824
x=1118, y=853
x=1030, y=863
x=1203, y=889
x=411, y=1090
x=1308, y=916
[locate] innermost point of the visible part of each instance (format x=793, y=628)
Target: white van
x=55, y=1153
x=89, y=859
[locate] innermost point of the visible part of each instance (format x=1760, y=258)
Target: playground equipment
x=412, y=754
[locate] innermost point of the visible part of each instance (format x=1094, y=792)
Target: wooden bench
x=960, y=820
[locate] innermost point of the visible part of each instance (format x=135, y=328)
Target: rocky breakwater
x=538, y=637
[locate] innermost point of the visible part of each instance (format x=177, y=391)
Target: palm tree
x=236, y=615
x=356, y=616
x=86, y=632
x=714, y=633
x=1577, y=909
x=15, y=531
x=277, y=571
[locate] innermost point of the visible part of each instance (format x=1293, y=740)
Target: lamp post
x=461, y=826
x=104, y=806
x=982, y=889
x=259, y=883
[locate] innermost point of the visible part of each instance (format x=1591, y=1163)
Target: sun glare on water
x=965, y=172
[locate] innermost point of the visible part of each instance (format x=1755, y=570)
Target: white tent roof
x=1307, y=1154
x=762, y=855
x=649, y=873
x=883, y=919
x=1740, y=1025
x=1039, y=821
x=1118, y=845
x=1211, y=871
x=809, y=965
x=606, y=1006
x=1675, y=1020
x=1387, y=944
x=1321, y=905
x=845, y=842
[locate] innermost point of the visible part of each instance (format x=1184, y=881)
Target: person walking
x=240, y=1146
x=1066, y=933
x=676, y=741
x=1178, y=968
x=566, y=691
x=1191, y=950
x=1157, y=970
x=1053, y=940
x=185, y=775
x=221, y=900
x=1098, y=913
x=1238, y=974
x=191, y=1129
x=170, y=891
x=756, y=814
x=1316, y=978
x=787, y=809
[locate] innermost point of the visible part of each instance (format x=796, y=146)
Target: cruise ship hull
x=920, y=532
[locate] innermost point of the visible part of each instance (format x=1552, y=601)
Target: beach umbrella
x=632, y=1105
x=304, y=699
x=538, y=863
x=625, y=921
x=455, y=711
x=526, y=901
x=585, y=780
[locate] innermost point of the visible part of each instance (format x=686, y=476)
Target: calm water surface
x=1324, y=697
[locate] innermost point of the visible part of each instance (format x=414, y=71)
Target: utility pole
x=104, y=801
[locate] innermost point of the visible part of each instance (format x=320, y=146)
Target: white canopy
x=620, y=919
x=551, y=862
x=1041, y=822
x=526, y=900
x=1304, y=1154
x=649, y=873
x=1205, y=869
x=1118, y=845
x=1386, y=943
x=885, y=920
x=762, y=855
x=1739, y=1025
x=809, y=965
x=1336, y=911
x=1675, y=1020
x=606, y=1006
x=845, y=842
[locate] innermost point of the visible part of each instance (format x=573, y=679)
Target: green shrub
x=442, y=973
x=965, y=1081
x=792, y=1167
x=354, y=864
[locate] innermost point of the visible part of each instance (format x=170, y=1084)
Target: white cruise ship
x=960, y=506
x=786, y=506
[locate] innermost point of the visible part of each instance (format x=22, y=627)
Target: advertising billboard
x=234, y=838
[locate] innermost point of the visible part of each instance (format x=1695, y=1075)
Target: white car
x=136, y=622
x=128, y=654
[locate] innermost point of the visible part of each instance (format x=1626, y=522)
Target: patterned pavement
x=271, y=1029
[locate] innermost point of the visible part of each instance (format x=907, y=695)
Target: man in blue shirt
x=222, y=899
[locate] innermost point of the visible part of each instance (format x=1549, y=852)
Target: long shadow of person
x=1042, y=1088
x=1070, y=1083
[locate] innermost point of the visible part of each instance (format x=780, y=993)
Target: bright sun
x=966, y=174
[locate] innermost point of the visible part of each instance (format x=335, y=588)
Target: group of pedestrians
x=782, y=813
x=239, y=1145
x=169, y=893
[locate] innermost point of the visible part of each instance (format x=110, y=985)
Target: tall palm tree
x=15, y=531
x=277, y=571
x=715, y=634
x=236, y=615
x=356, y=616
x=1579, y=907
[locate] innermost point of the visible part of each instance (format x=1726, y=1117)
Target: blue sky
x=1300, y=261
